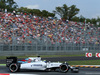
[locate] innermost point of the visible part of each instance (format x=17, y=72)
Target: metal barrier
x=55, y=47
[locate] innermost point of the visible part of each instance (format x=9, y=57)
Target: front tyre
x=64, y=68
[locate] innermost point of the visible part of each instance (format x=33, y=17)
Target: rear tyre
x=14, y=67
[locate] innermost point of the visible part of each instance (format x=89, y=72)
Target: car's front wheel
x=64, y=68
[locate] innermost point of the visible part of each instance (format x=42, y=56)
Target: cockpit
x=30, y=60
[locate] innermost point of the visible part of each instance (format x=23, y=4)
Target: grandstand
x=39, y=33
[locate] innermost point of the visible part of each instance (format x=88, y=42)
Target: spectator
x=32, y=29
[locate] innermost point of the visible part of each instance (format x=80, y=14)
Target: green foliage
x=47, y=14
x=2, y=4
x=98, y=20
x=44, y=13
x=66, y=12
x=93, y=20
x=73, y=11
x=75, y=19
x=37, y=12
x=88, y=20
x=82, y=19
x=8, y=4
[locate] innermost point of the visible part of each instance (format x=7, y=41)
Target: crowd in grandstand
x=26, y=28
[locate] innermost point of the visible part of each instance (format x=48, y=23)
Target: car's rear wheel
x=14, y=67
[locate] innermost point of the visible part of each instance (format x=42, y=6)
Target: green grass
x=2, y=64
x=2, y=57
x=44, y=56
x=85, y=62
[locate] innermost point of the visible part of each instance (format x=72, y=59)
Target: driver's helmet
x=44, y=61
x=29, y=60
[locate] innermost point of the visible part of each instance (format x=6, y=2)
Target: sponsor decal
x=54, y=64
x=9, y=60
x=36, y=65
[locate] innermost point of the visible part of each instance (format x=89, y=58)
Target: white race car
x=35, y=63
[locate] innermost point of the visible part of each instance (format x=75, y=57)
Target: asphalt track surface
x=62, y=59
x=82, y=71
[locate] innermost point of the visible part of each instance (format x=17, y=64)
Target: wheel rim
x=13, y=67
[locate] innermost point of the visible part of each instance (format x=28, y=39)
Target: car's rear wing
x=10, y=60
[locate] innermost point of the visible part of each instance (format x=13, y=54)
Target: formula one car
x=35, y=63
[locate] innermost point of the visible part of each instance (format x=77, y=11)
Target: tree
x=62, y=11
x=24, y=10
x=36, y=12
x=51, y=14
x=93, y=21
x=82, y=18
x=8, y=4
x=2, y=4
x=72, y=11
x=75, y=19
x=47, y=14
x=98, y=20
x=88, y=20
x=66, y=12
